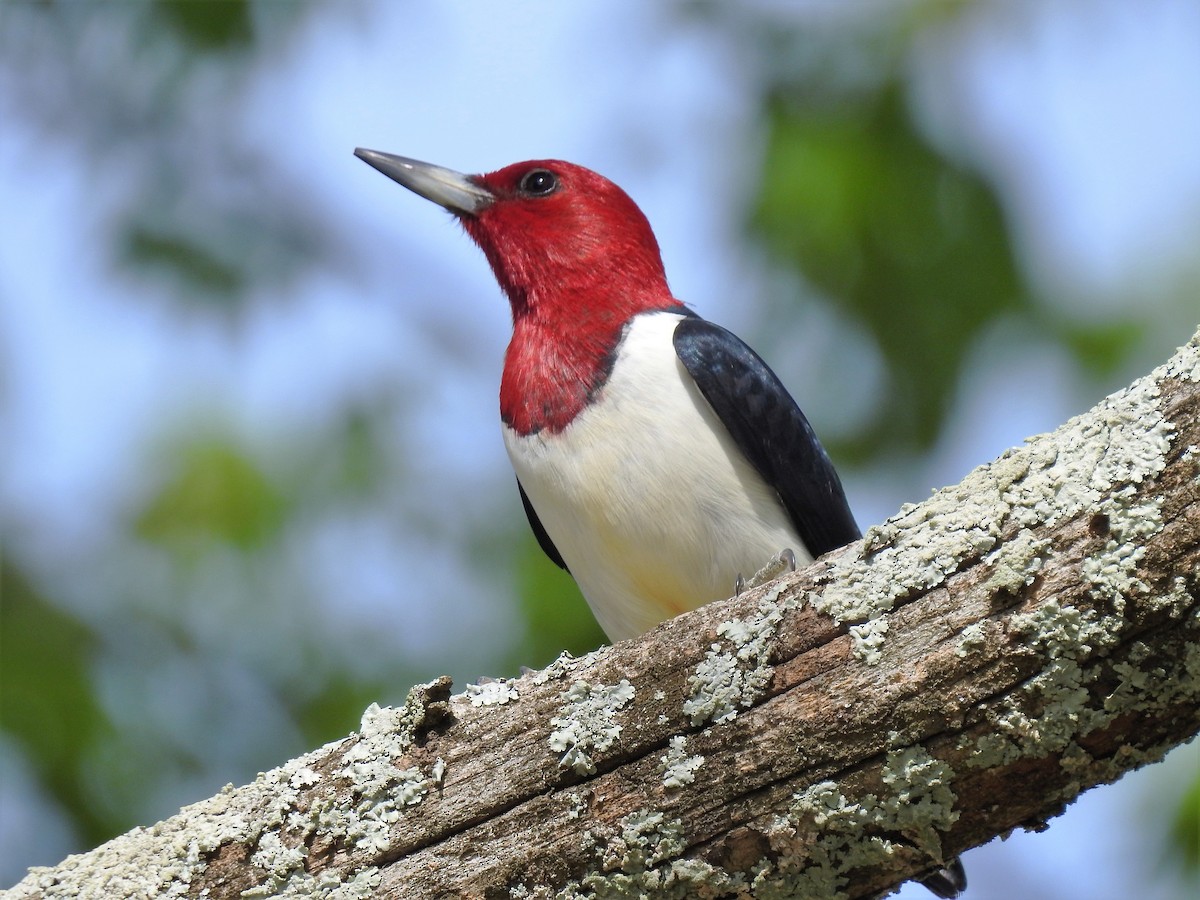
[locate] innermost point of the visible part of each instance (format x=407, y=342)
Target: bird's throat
x=549, y=380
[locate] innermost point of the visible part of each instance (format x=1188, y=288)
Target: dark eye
x=539, y=183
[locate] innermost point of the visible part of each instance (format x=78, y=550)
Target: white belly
x=650, y=504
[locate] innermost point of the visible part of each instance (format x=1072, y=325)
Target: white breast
x=650, y=504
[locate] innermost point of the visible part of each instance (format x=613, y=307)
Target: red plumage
x=576, y=265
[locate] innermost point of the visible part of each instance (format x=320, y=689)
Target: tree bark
x=969, y=667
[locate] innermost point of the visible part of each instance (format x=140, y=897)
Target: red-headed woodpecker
x=657, y=456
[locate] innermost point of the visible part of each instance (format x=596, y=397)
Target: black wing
x=769, y=428
x=539, y=531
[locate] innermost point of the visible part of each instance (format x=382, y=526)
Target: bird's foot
x=949, y=882
x=783, y=561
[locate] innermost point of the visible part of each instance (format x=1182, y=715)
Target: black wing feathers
x=769, y=428
x=539, y=531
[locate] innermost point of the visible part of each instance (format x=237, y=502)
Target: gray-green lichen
x=560, y=668
x=866, y=640
x=640, y=858
x=971, y=639
x=368, y=823
x=1120, y=443
x=733, y=674
x=679, y=769
x=1123, y=440
x=825, y=835
x=165, y=859
x=588, y=722
x=1174, y=601
x=920, y=803
x=277, y=859
x=1052, y=709
x=679, y=879
x=1063, y=632
x=380, y=788
x=647, y=838
x=1111, y=570
x=492, y=693
x=1016, y=563
x=327, y=884
x=1184, y=365
x=1191, y=456
x=579, y=805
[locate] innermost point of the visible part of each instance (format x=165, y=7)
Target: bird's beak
x=445, y=187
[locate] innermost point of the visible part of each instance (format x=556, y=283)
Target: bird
x=658, y=458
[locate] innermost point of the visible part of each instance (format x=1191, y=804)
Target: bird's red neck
x=576, y=266
x=575, y=257
x=554, y=366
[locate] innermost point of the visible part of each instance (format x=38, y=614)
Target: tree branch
x=970, y=666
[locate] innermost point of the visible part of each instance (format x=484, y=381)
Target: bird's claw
x=783, y=561
x=947, y=882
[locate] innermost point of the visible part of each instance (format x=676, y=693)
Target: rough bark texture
x=969, y=667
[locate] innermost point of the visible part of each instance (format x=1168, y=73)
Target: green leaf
x=1184, y=844
x=176, y=255
x=47, y=700
x=215, y=494
x=208, y=25
x=908, y=244
x=1102, y=348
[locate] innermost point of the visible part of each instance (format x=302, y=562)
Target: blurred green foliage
x=1102, y=347
x=216, y=493
x=556, y=615
x=208, y=25
x=907, y=244
x=194, y=265
x=205, y=213
x=48, y=698
x=1183, y=849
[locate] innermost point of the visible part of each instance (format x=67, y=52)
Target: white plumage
x=652, y=507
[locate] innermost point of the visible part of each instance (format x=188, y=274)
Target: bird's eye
x=539, y=183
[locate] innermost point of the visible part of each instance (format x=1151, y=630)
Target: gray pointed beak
x=445, y=187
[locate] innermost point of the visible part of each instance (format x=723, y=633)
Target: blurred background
x=252, y=478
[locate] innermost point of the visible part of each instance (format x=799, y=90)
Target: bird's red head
x=575, y=257
x=567, y=244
